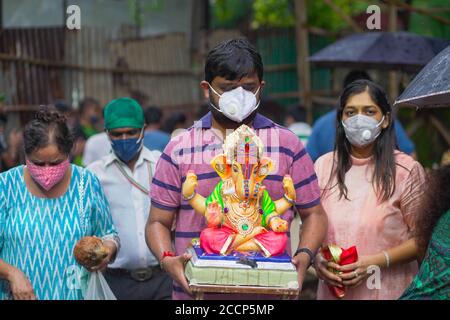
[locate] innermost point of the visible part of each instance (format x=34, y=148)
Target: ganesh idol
x=240, y=214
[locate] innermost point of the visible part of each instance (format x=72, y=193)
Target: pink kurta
x=370, y=225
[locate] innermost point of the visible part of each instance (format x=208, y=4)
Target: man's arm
x=312, y=234
x=157, y=231
x=157, y=236
x=314, y=227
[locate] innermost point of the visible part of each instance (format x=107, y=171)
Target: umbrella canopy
x=380, y=50
x=431, y=87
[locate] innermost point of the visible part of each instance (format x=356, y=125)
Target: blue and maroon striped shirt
x=194, y=149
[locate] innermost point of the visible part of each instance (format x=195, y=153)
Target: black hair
x=85, y=103
x=383, y=178
x=62, y=106
x=203, y=110
x=233, y=59
x=298, y=112
x=172, y=121
x=48, y=126
x=355, y=75
x=152, y=115
x=436, y=203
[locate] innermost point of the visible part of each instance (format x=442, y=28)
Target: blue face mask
x=126, y=149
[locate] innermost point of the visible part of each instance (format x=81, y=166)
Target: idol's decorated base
x=237, y=269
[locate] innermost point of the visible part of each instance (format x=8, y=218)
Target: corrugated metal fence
x=41, y=65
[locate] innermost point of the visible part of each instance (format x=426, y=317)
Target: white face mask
x=362, y=130
x=236, y=104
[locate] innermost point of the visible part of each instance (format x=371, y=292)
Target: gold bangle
x=190, y=197
x=270, y=219
x=292, y=202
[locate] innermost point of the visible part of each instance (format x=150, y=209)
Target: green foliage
x=280, y=13
x=426, y=25
x=273, y=13
x=228, y=13
x=322, y=16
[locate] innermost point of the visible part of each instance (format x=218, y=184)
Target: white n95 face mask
x=362, y=130
x=236, y=104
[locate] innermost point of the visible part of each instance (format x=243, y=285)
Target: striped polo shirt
x=197, y=146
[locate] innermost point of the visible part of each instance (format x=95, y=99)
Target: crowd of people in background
x=91, y=142
x=86, y=124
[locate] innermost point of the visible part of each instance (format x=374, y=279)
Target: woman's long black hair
x=383, y=178
x=436, y=203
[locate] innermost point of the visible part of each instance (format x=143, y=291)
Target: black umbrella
x=431, y=87
x=380, y=50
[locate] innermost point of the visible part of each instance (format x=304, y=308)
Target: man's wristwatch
x=309, y=252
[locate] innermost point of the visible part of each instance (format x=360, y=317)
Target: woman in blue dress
x=45, y=208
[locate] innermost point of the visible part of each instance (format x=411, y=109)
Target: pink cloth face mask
x=47, y=176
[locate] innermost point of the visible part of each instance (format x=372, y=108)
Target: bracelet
x=388, y=260
x=270, y=219
x=165, y=254
x=292, y=202
x=308, y=251
x=190, y=197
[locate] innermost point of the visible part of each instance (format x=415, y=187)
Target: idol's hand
x=278, y=225
x=189, y=185
x=261, y=191
x=288, y=186
x=213, y=215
